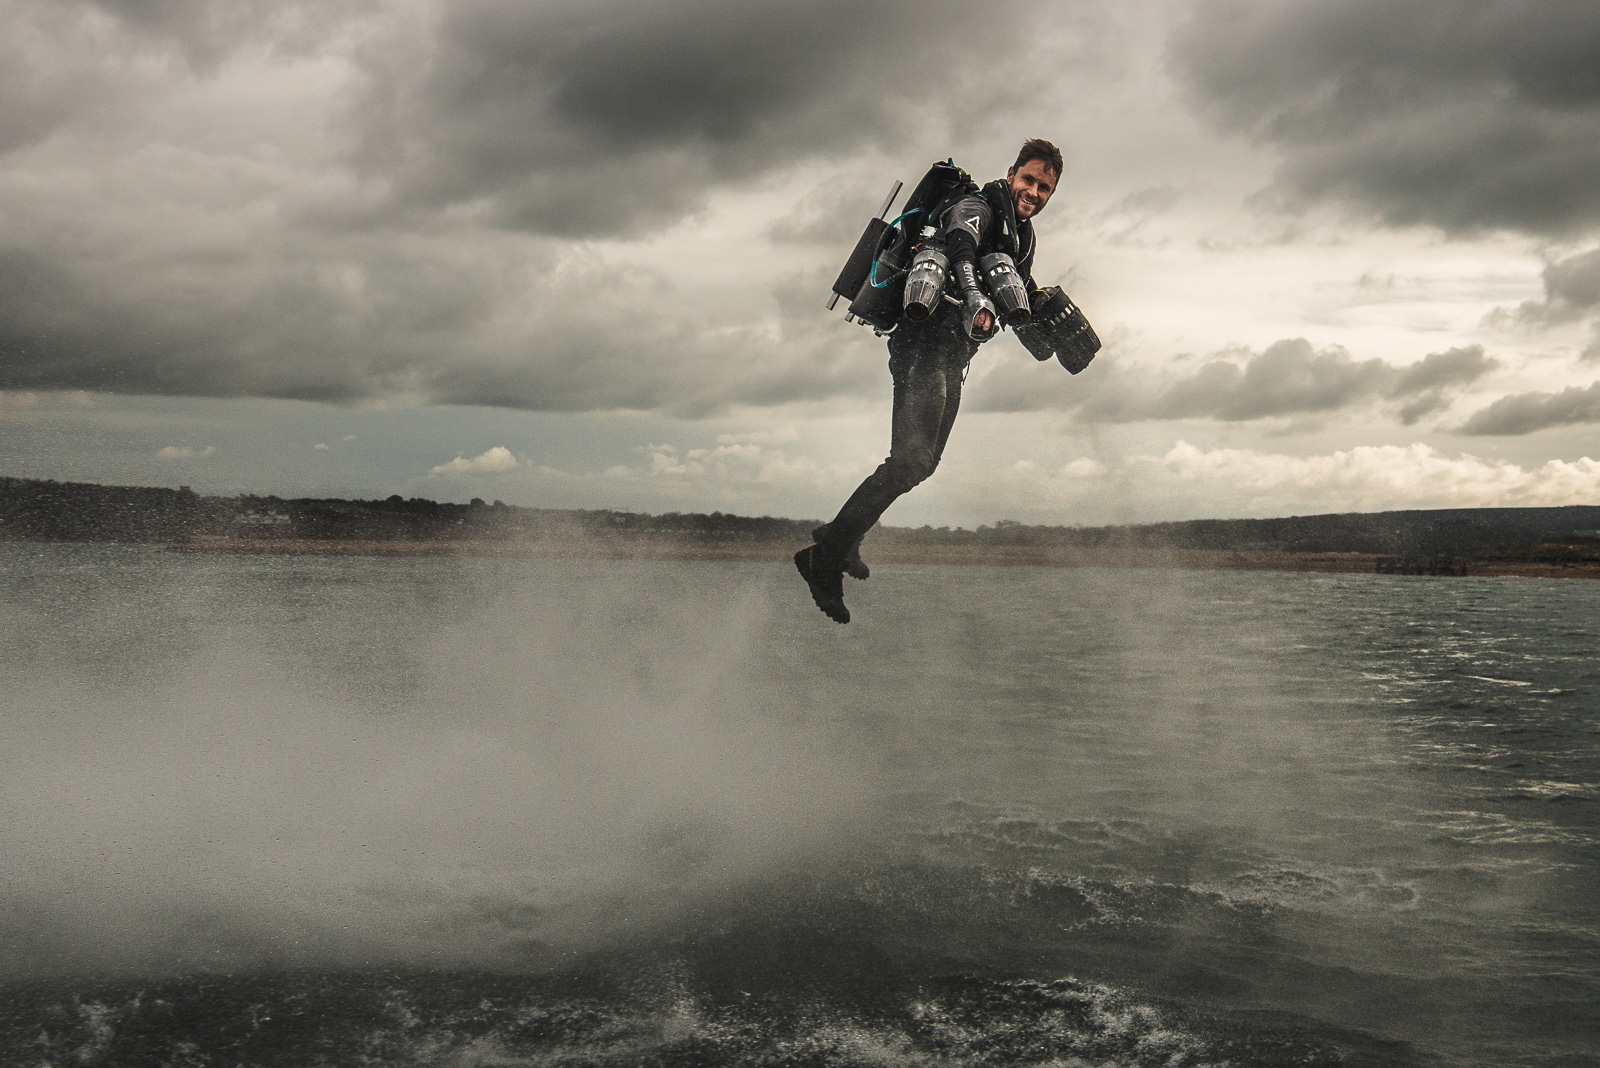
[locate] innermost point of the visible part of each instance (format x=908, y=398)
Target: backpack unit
x=874, y=276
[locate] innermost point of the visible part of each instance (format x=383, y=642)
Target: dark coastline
x=1535, y=542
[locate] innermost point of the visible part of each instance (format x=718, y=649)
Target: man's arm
x=964, y=224
x=963, y=227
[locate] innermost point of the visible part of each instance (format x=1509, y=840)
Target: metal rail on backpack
x=860, y=270
x=888, y=202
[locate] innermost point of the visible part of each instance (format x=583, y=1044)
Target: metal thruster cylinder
x=925, y=281
x=1005, y=285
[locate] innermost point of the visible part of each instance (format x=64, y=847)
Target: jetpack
x=874, y=277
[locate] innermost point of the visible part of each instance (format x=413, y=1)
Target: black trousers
x=928, y=363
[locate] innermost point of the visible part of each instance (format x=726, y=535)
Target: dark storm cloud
x=832, y=214
x=1291, y=378
x=1572, y=289
x=1442, y=370
x=1288, y=378
x=1465, y=115
x=1425, y=387
x=1524, y=413
x=64, y=60
x=1575, y=281
x=36, y=92
x=1572, y=292
x=351, y=199
x=59, y=62
x=208, y=31
x=601, y=117
x=417, y=327
x=600, y=352
x=59, y=331
x=586, y=336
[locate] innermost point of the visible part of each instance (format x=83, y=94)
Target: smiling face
x=1031, y=186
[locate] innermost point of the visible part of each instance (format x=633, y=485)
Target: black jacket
x=977, y=224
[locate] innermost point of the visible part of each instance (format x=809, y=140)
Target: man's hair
x=1038, y=148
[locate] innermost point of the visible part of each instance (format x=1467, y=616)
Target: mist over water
x=240, y=763
x=667, y=812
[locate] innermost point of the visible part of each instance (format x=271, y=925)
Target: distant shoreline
x=780, y=552
x=1545, y=542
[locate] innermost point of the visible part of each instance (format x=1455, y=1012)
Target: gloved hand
x=977, y=310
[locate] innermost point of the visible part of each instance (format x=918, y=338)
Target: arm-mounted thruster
x=925, y=281
x=1059, y=329
x=974, y=301
x=1010, y=294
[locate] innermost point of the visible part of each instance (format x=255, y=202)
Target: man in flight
x=928, y=357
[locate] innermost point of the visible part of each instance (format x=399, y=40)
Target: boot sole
x=831, y=605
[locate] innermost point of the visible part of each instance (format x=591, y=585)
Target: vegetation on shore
x=1440, y=541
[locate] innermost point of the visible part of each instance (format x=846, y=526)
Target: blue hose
x=872, y=276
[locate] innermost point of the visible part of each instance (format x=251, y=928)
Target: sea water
x=316, y=810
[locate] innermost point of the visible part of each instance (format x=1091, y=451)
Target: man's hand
x=977, y=310
x=978, y=316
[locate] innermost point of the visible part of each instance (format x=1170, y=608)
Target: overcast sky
x=1344, y=255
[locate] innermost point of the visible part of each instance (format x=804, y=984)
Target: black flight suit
x=928, y=361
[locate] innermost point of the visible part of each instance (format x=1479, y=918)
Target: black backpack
x=874, y=276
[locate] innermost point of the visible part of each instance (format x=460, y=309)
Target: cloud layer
x=1523, y=413
x=1462, y=115
x=633, y=211
x=1184, y=480
x=604, y=117
x=1370, y=478
x=1288, y=378
x=455, y=202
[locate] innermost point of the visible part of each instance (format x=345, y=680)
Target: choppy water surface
x=266, y=811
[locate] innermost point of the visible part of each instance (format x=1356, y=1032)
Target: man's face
x=1031, y=186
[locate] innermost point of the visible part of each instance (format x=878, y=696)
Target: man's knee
x=911, y=467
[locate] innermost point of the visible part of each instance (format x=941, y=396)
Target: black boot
x=853, y=565
x=824, y=573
